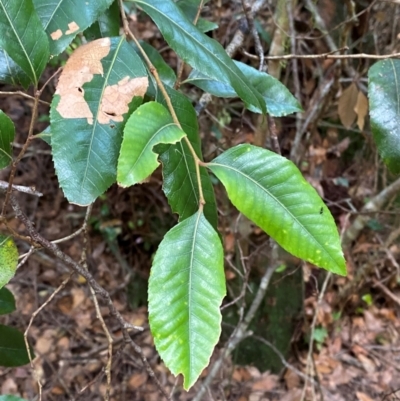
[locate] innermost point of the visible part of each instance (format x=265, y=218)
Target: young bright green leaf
x=8, y=260
x=11, y=73
x=7, y=301
x=271, y=191
x=7, y=132
x=278, y=100
x=150, y=125
x=12, y=347
x=199, y=50
x=102, y=82
x=186, y=288
x=384, y=105
x=179, y=170
x=107, y=25
x=64, y=19
x=23, y=38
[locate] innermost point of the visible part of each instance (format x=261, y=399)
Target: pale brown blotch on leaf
x=73, y=27
x=56, y=34
x=116, y=98
x=80, y=68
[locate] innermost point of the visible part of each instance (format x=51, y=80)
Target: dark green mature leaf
x=270, y=191
x=7, y=133
x=8, y=260
x=89, y=110
x=179, y=170
x=64, y=19
x=165, y=72
x=12, y=347
x=279, y=101
x=198, y=50
x=11, y=73
x=384, y=105
x=23, y=38
x=150, y=125
x=107, y=25
x=11, y=398
x=186, y=288
x=190, y=9
x=7, y=301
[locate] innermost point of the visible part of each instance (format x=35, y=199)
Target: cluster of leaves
x=112, y=121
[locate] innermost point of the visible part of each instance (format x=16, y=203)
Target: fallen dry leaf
x=361, y=109
x=137, y=380
x=347, y=102
x=267, y=382
x=363, y=397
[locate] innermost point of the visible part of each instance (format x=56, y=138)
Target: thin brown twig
x=168, y=101
x=23, y=94
x=329, y=55
x=257, y=42
x=182, y=64
x=34, y=314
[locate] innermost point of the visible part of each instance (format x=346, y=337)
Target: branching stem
x=160, y=84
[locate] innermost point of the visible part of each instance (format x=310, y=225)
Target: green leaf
x=23, y=38
x=384, y=104
x=11, y=73
x=270, y=191
x=166, y=73
x=12, y=347
x=150, y=125
x=199, y=50
x=278, y=100
x=190, y=9
x=8, y=260
x=179, y=170
x=11, y=398
x=7, y=301
x=107, y=24
x=186, y=288
x=64, y=19
x=88, y=113
x=7, y=133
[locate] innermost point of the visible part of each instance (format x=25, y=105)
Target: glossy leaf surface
x=11, y=398
x=64, y=19
x=179, y=170
x=12, y=347
x=107, y=24
x=8, y=259
x=150, y=125
x=186, y=288
x=7, y=133
x=271, y=191
x=384, y=104
x=101, y=84
x=23, y=38
x=7, y=301
x=278, y=100
x=199, y=50
x=11, y=73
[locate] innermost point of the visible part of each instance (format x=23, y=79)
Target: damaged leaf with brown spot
x=102, y=83
x=63, y=19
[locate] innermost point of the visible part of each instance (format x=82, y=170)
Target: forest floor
x=355, y=323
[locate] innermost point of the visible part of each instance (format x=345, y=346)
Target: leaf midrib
x=196, y=227
x=106, y=78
